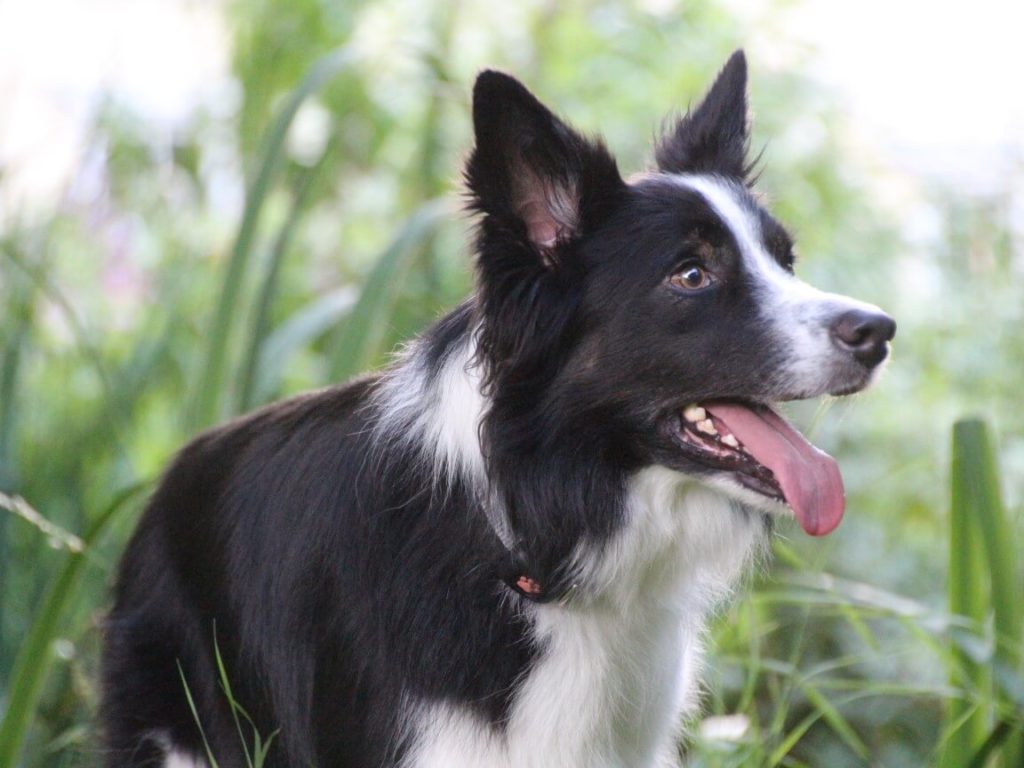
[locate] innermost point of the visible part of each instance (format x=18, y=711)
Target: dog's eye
x=692, y=277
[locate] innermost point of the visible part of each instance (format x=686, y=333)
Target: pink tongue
x=809, y=478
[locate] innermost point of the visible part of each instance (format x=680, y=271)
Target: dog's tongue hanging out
x=809, y=478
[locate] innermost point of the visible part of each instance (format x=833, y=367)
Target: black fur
x=339, y=572
x=713, y=138
x=322, y=580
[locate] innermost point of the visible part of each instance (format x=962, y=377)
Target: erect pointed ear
x=713, y=138
x=535, y=180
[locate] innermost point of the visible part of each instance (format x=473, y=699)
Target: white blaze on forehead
x=724, y=199
x=786, y=298
x=800, y=314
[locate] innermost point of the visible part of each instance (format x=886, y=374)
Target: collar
x=517, y=578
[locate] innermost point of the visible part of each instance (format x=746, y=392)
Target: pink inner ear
x=549, y=210
x=540, y=225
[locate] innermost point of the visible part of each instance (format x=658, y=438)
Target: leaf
x=358, y=342
x=982, y=578
x=208, y=398
x=299, y=330
x=268, y=289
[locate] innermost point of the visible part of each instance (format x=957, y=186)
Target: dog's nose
x=864, y=334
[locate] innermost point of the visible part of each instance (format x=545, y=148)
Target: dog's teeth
x=695, y=413
x=731, y=441
x=707, y=427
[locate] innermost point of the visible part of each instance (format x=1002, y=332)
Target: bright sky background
x=58, y=57
x=938, y=84
x=934, y=86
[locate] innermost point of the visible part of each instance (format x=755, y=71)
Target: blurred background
x=209, y=205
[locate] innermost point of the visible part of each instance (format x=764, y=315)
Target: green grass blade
x=195, y=716
x=256, y=757
x=268, y=290
x=836, y=721
x=299, y=330
x=980, y=492
x=208, y=398
x=986, y=510
x=263, y=748
x=997, y=737
x=14, y=335
x=83, y=340
x=19, y=316
x=225, y=683
x=967, y=720
x=432, y=177
x=792, y=738
x=34, y=657
x=358, y=342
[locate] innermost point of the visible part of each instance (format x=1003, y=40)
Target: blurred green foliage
x=126, y=328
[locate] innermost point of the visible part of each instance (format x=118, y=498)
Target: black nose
x=864, y=334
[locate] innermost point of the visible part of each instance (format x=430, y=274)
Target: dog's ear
x=713, y=138
x=538, y=183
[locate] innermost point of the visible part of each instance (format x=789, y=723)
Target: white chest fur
x=619, y=666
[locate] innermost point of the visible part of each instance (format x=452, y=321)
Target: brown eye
x=692, y=277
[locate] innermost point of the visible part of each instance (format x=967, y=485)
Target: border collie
x=502, y=551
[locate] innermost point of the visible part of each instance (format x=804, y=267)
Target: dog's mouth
x=763, y=453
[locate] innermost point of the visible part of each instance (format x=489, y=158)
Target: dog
x=501, y=552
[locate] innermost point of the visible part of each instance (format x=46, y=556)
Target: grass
x=360, y=342
x=36, y=655
x=256, y=753
x=208, y=403
x=978, y=641
x=983, y=587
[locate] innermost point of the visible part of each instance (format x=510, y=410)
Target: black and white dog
x=501, y=552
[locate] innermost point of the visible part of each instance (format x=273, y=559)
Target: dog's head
x=657, y=318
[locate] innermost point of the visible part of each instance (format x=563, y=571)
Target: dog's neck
x=632, y=628
x=675, y=532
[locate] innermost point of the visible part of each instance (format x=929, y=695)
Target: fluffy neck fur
x=433, y=398
x=621, y=654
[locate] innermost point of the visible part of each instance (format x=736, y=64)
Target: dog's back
x=229, y=557
x=327, y=573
